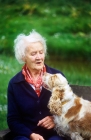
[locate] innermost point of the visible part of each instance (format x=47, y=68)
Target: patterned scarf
x=29, y=79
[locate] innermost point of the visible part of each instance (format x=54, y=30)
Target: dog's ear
x=58, y=93
x=54, y=104
x=55, y=107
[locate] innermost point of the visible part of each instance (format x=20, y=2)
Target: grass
x=67, y=27
x=8, y=67
x=76, y=73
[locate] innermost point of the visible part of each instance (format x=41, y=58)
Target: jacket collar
x=20, y=77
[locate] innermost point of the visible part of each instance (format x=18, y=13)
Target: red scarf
x=29, y=79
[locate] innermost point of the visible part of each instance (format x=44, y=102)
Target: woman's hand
x=35, y=136
x=47, y=122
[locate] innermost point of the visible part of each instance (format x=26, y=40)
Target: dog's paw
x=76, y=136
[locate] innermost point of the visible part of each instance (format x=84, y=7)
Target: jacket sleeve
x=13, y=118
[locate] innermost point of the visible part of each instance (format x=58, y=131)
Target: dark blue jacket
x=25, y=108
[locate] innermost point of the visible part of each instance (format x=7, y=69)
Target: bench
x=82, y=91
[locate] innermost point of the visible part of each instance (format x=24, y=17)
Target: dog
x=72, y=114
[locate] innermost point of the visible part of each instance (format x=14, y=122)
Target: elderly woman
x=28, y=116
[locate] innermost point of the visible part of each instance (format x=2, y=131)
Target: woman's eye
x=41, y=52
x=33, y=53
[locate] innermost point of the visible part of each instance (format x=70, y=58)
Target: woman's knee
x=56, y=138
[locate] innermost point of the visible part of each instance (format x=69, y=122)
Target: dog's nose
x=44, y=74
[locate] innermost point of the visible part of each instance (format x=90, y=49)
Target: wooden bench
x=82, y=91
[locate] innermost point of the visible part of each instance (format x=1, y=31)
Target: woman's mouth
x=38, y=63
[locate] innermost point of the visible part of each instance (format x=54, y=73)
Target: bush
x=66, y=29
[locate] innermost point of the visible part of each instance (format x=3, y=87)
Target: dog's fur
x=72, y=114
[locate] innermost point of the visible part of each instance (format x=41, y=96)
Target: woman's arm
x=13, y=118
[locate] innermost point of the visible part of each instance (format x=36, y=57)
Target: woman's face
x=34, y=56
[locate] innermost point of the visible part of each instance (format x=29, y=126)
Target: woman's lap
x=55, y=137
x=21, y=138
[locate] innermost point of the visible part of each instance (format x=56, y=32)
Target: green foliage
x=65, y=24
x=3, y=123
x=8, y=67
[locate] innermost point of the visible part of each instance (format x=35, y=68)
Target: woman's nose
x=38, y=55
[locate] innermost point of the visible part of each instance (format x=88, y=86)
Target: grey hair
x=20, y=44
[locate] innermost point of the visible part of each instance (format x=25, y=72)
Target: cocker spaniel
x=72, y=114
